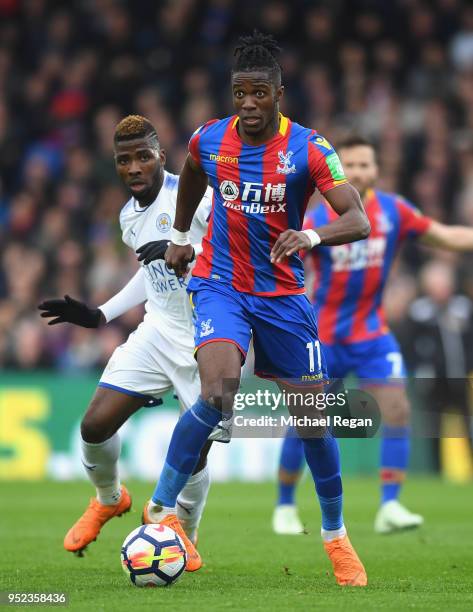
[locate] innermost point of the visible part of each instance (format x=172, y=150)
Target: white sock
x=332, y=534
x=101, y=464
x=156, y=513
x=191, y=502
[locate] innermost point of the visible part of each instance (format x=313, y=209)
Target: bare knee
x=401, y=414
x=220, y=394
x=396, y=410
x=94, y=427
x=220, y=368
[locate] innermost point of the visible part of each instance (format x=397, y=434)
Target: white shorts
x=149, y=364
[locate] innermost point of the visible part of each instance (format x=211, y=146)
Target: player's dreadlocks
x=134, y=126
x=257, y=52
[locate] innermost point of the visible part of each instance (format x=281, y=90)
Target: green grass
x=246, y=566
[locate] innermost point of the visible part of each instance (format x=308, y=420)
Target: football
x=153, y=555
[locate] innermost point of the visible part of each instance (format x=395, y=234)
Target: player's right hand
x=69, y=310
x=179, y=257
x=155, y=250
x=289, y=242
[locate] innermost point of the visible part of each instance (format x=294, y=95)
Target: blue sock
x=395, y=449
x=188, y=438
x=291, y=462
x=324, y=463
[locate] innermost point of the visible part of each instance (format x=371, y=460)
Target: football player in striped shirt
x=249, y=279
x=347, y=297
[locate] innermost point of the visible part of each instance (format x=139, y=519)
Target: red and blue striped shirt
x=350, y=278
x=259, y=192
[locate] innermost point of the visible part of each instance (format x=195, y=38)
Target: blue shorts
x=284, y=329
x=377, y=359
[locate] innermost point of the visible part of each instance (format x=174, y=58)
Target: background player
x=349, y=283
x=250, y=279
x=159, y=354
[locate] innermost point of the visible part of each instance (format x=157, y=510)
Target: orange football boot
x=88, y=527
x=193, y=559
x=347, y=567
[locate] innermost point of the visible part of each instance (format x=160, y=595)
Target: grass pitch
x=247, y=567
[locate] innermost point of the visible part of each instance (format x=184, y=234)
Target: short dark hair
x=134, y=126
x=257, y=51
x=355, y=140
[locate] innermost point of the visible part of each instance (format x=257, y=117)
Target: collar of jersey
x=137, y=207
x=283, y=127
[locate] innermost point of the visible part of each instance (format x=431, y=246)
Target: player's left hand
x=69, y=310
x=288, y=243
x=154, y=250
x=179, y=257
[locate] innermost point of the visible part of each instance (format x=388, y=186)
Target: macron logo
x=226, y=159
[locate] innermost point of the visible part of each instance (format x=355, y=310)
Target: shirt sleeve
x=126, y=227
x=132, y=294
x=325, y=167
x=412, y=222
x=194, y=142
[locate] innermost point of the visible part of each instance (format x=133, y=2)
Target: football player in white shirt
x=158, y=356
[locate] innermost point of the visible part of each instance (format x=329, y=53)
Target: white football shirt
x=167, y=306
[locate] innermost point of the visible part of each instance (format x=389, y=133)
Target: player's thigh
x=107, y=412
x=382, y=372
x=337, y=360
x=184, y=375
x=222, y=335
x=136, y=367
x=220, y=371
x=392, y=402
x=379, y=360
x=285, y=336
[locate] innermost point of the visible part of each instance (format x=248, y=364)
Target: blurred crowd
x=400, y=72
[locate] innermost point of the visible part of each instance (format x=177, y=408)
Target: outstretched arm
x=450, y=237
x=351, y=225
x=192, y=185
x=132, y=294
x=68, y=310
